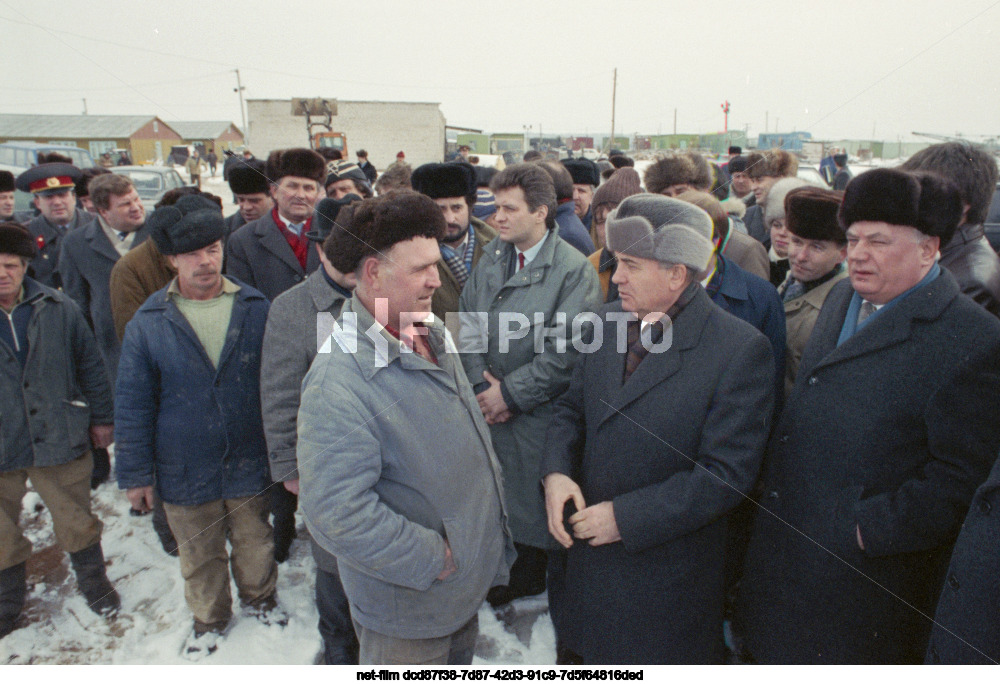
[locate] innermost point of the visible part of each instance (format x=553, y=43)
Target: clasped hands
x=595, y=524
x=491, y=402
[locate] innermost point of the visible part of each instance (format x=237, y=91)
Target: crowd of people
x=715, y=413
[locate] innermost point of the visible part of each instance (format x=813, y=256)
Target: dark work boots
x=13, y=592
x=92, y=580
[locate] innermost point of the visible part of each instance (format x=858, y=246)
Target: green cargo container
x=477, y=142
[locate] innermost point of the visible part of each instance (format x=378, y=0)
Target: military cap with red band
x=54, y=177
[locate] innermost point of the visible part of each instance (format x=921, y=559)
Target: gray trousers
x=454, y=649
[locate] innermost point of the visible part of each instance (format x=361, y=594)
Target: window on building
x=99, y=147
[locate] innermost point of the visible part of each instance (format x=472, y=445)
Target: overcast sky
x=838, y=69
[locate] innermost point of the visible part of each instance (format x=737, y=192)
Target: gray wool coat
x=291, y=339
x=673, y=449
x=891, y=432
x=394, y=458
x=85, y=262
x=559, y=280
x=45, y=265
x=258, y=255
x=47, y=408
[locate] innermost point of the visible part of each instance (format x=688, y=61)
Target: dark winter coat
x=192, y=428
x=48, y=406
x=672, y=448
x=967, y=629
x=558, y=281
x=975, y=266
x=891, y=432
x=233, y=221
x=231, y=161
x=45, y=265
x=841, y=179
x=85, y=262
x=259, y=255
x=754, y=220
x=753, y=300
x=369, y=170
x=571, y=229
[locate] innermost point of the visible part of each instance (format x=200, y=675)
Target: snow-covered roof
x=201, y=130
x=71, y=125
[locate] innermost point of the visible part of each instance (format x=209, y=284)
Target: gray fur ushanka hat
x=662, y=228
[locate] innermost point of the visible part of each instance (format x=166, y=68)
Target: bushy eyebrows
x=877, y=235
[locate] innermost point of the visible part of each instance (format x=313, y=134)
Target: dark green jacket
x=47, y=408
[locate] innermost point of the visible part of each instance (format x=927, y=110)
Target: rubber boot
x=92, y=580
x=13, y=592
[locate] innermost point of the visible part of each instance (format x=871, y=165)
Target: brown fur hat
x=672, y=169
x=378, y=223
x=775, y=163
x=6, y=181
x=811, y=213
x=297, y=161
x=15, y=239
x=924, y=201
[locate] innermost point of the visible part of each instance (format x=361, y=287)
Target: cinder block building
x=382, y=128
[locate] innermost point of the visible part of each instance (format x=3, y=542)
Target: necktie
x=636, y=349
x=867, y=309
x=122, y=235
x=520, y=261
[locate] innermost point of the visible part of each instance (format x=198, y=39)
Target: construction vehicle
x=319, y=113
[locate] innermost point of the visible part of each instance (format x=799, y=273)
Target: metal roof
x=201, y=130
x=71, y=126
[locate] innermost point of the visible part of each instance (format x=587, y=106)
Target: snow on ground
x=59, y=628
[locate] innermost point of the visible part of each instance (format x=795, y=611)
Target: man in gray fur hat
x=654, y=445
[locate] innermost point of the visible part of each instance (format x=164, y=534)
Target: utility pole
x=84, y=106
x=675, y=120
x=239, y=89
x=725, y=111
x=614, y=94
x=766, y=128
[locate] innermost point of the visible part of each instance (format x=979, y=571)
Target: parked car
x=151, y=182
x=992, y=224
x=811, y=175
x=18, y=157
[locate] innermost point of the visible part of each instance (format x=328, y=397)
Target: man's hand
x=502, y=418
x=597, y=524
x=101, y=436
x=141, y=498
x=491, y=401
x=292, y=486
x=558, y=490
x=449, y=562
